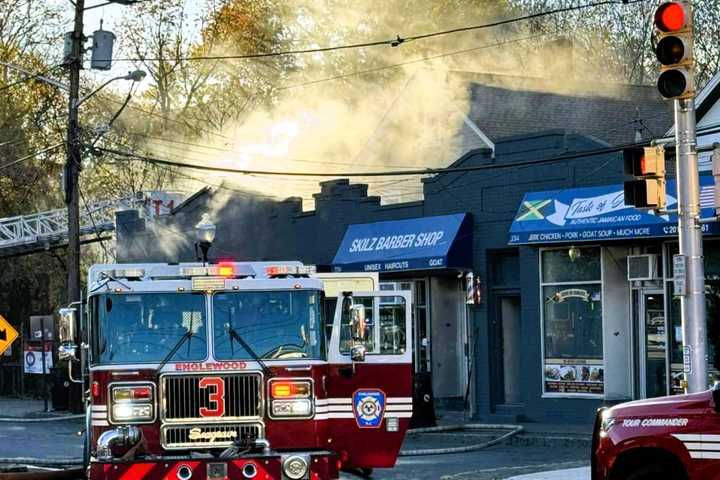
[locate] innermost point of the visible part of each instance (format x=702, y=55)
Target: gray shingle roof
x=504, y=106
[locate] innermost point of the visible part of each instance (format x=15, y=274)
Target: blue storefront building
x=572, y=299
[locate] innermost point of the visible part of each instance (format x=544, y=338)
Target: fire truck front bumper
x=285, y=466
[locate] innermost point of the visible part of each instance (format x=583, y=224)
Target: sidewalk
x=571, y=474
x=554, y=435
x=26, y=408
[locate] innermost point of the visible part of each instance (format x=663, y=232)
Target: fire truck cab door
x=368, y=402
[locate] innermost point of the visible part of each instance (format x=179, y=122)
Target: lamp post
x=135, y=76
x=205, y=235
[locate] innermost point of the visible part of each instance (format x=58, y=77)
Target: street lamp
x=119, y=2
x=135, y=76
x=205, y=235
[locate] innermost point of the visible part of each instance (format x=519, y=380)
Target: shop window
x=387, y=335
x=574, y=264
x=572, y=321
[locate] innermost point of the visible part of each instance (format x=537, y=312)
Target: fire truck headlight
x=132, y=403
x=607, y=423
x=291, y=408
x=132, y=413
x=295, y=467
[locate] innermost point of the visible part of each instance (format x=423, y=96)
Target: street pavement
x=569, y=474
x=58, y=439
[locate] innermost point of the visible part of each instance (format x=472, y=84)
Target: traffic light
x=674, y=49
x=647, y=167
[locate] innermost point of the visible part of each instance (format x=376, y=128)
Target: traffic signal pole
x=74, y=158
x=692, y=304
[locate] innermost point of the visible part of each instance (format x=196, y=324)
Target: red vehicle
x=232, y=371
x=674, y=438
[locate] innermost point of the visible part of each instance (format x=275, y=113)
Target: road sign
x=7, y=335
x=679, y=275
x=33, y=358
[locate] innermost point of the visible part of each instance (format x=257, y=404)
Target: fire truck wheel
x=651, y=472
x=366, y=472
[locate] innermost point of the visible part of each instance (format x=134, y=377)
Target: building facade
x=572, y=302
x=485, y=357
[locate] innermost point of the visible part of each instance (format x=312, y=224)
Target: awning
x=598, y=213
x=415, y=244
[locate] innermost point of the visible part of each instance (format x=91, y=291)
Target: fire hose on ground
x=512, y=430
x=73, y=473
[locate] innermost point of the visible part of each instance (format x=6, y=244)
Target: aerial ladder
x=25, y=234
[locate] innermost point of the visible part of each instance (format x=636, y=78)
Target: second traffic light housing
x=647, y=167
x=674, y=49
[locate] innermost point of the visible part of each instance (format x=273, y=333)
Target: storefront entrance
x=651, y=327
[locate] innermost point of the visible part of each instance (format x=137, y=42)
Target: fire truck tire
x=651, y=472
x=366, y=472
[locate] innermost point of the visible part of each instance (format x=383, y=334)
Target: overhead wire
x=387, y=173
x=239, y=152
x=393, y=42
x=328, y=79
x=31, y=156
x=29, y=77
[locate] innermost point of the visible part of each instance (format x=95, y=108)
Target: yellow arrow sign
x=7, y=335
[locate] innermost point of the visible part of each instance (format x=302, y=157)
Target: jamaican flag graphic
x=533, y=210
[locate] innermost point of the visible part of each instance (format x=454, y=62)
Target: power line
x=394, y=42
x=32, y=155
x=411, y=62
x=240, y=152
x=29, y=77
x=332, y=78
x=426, y=171
x=388, y=173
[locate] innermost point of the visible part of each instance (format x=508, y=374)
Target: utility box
x=102, y=50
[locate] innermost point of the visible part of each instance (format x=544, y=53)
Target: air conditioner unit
x=642, y=267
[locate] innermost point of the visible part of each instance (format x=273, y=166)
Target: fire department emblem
x=369, y=408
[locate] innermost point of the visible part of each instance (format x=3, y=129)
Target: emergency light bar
x=290, y=270
x=223, y=269
x=128, y=273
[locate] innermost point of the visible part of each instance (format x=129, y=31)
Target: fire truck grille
x=183, y=398
x=178, y=437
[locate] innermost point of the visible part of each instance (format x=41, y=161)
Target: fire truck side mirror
x=67, y=333
x=358, y=327
x=357, y=352
x=357, y=321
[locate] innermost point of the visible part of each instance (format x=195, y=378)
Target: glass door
x=653, y=339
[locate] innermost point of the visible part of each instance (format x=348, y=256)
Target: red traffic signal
x=671, y=17
x=647, y=167
x=674, y=49
x=644, y=161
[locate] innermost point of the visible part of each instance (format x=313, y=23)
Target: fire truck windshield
x=274, y=324
x=144, y=327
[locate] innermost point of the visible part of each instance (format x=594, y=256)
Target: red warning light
x=226, y=269
x=670, y=17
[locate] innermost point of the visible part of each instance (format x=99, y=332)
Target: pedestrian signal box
x=646, y=166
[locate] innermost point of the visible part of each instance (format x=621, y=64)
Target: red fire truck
x=674, y=438
x=238, y=370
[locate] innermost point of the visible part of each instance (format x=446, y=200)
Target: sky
x=111, y=16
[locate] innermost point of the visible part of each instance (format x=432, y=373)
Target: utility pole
x=692, y=304
x=674, y=50
x=74, y=158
